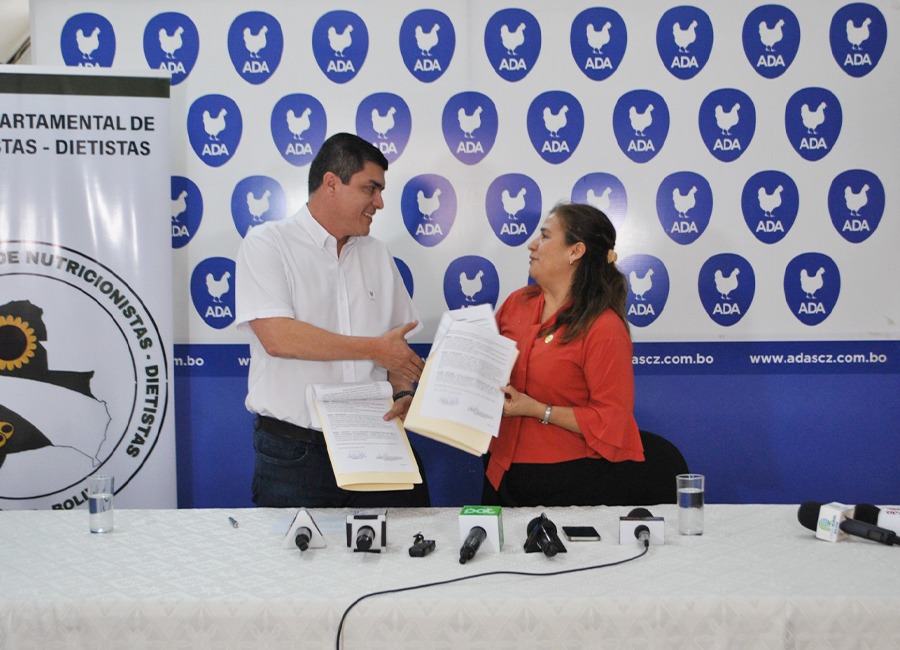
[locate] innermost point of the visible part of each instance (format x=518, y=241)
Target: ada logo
x=770, y=202
x=384, y=120
x=255, y=201
x=512, y=41
x=555, y=125
x=813, y=120
x=406, y=275
x=598, y=41
x=856, y=204
x=78, y=339
x=606, y=193
x=684, y=39
x=513, y=205
x=471, y=280
x=214, y=126
x=470, y=124
x=171, y=44
x=727, y=123
x=648, y=288
x=212, y=291
x=427, y=43
x=255, y=45
x=684, y=205
x=641, y=124
x=858, y=34
x=298, y=126
x=187, y=210
x=88, y=41
x=771, y=39
x=726, y=285
x=340, y=44
x=812, y=284
x=428, y=204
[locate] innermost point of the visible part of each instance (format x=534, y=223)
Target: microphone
x=365, y=535
x=367, y=531
x=883, y=517
x=302, y=538
x=834, y=522
x=472, y=543
x=542, y=537
x=641, y=526
x=869, y=531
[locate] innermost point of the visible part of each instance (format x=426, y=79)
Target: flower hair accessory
x=611, y=256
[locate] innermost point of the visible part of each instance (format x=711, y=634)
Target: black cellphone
x=581, y=533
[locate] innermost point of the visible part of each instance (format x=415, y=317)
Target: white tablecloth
x=188, y=579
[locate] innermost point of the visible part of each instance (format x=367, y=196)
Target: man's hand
x=399, y=409
x=393, y=353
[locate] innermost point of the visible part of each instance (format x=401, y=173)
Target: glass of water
x=690, y=490
x=100, y=503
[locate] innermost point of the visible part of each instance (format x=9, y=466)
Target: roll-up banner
x=85, y=287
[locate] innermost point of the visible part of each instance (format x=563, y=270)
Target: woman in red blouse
x=569, y=412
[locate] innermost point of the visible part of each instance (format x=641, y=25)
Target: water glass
x=690, y=491
x=100, y=503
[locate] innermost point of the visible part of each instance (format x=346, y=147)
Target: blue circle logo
x=513, y=205
x=648, y=288
x=255, y=45
x=427, y=43
x=340, y=44
x=406, y=275
x=812, y=284
x=641, y=124
x=770, y=203
x=384, y=120
x=856, y=204
x=298, y=126
x=88, y=41
x=684, y=39
x=771, y=40
x=255, y=201
x=428, y=204
x=555, y=125
x=171, y=44
x=470, y=124
x=214, y=126
x=727, y=123
x=471, y=280
x=606, y=193
x=858, y=35
x=212, y=291
x=512, y=41
x=812, y=119
x=684, y=205
x=187, y=210
x=598, y=40
x=726, y=285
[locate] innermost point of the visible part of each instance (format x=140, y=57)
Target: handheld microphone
x=825, y=519
x=367, y=531
x=488, y=519
x=882, y=517
x=365, y=535
x=302, y=538
x=303, y=533
x=471, y=544
x=542, y=537
x=868, y=531
x=641, y=526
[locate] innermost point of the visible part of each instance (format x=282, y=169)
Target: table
x=188, y=579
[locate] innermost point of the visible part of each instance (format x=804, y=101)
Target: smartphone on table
x=581, y=533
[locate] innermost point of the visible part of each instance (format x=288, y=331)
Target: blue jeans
x=291, y=473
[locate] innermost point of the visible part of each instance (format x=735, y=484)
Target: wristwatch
x=546, y=418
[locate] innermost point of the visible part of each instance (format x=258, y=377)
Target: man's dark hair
x=343, y=154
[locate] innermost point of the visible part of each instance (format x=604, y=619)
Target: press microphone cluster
x=834, y=522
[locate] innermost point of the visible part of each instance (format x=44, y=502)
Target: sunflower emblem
x=17, y=342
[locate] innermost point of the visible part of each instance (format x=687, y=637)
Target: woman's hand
x=520, y=404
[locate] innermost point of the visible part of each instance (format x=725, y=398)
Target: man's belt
x=284, y=429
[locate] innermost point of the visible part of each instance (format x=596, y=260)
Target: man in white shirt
x=325, y=303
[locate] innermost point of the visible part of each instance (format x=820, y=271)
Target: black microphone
x=888, y=517
x=304, y=534
x=542, y=532
x=641, y=532
x=808, y=516
x=470, y=546
x=364, y=538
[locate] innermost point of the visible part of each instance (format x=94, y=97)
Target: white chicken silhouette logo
x=684, y=37
x=640, y=285
x=88, y=44
x=600, y=201
x=513, y=203
x=257, y=207
x=426, y=40
x=428, y=205
x=555, y=122
x=470, y=287
x=856, y=36
x=770, y=37
x=640, y=121
x=170, y=44
x=769, y=202
x=725, y=284
x=811, y=283
x=179, y=206
x=469, y=123
x=856, y=201
x=381, y=124
x=726, y=120
x=214, y=125
x=512, y=39
x=217, y=288
x=684, y=202
x=340, y=41
x=812, y=119
x=298, y=124
x=598, y=38
x=255, y=42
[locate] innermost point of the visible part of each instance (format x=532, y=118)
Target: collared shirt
x=291, y=269
x=592, y=374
